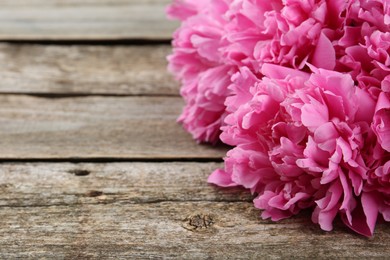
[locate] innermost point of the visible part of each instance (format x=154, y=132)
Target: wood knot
x=198, y=222
x=5, y=186
x=94, y=193
x=78, y=172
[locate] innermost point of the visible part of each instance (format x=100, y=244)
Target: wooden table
x=93, y=164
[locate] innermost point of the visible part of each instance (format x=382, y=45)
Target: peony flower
x=267, y=144
x=364, y=48
x=204, y=112
x=300, y=89
x=198, y=63
x=377, y=190
x=288, y=33
x=244, y=33
x=304, y=142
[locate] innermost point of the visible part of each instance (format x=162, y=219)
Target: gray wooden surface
x=93, y=164
x=82, y=70
x=84, y=20
x=96, y=127
x=152, y=210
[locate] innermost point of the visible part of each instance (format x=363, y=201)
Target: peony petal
x=364, y=215
x=221, y=178
x=366, y=108
x=279, y=72
x=327, y=209
x=381, y=123
x=324, y=56
x=314, y=115
x=325, y=135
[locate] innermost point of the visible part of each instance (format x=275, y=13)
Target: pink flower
x=204, y=112
x=304, y=142
x=198, y=63
x=364, y=47
x=267, y=144
x=244, y=104
x=245, y=33
x=378, y=190
x=287, y=33
x=301, y=90
x=197, y=41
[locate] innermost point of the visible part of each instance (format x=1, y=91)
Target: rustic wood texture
x=78, y=70
x=114, y=211
x=43, y=184
x=96, y=127
x=84, y=20
x=62, y=104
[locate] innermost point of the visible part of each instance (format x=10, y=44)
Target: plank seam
x=107, y=160
x=63, y=95
x=123, y=202
x=100, y=42
x=81, y=94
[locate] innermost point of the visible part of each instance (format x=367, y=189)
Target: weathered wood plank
x=84, y=20
x=127, y=70
x=190, y=219
x=44, y=184
x=181, y=230
x=96, y=127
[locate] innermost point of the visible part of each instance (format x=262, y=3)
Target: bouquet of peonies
x=301, y=90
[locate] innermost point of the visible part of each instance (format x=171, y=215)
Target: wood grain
x=84, y=20
x=96, y=127
x=79, y=70
x=118, y=103
x=112, y=222
x=43, y=184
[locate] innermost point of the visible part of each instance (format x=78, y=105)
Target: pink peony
x=288, y=33
x=267, y=144
x=365, y=46
x=244, y=33
x=205, y=97
x=301, y=90
x=304, y=142
x=198, y=63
